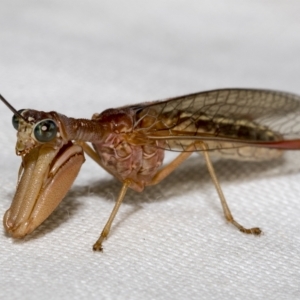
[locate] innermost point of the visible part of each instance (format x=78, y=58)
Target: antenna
x=12, y=108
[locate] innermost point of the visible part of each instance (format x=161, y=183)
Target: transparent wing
x=239, y=115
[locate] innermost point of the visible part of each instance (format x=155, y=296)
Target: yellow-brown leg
x=226, y=209
x=98, y=245
x=164, y=172
x=92, y=154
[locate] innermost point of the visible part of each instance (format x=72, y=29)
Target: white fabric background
x=171, y=241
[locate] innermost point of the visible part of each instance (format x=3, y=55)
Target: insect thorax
x=121, y=156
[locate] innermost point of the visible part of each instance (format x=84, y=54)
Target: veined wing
x=245, y=116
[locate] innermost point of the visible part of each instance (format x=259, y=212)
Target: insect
x=130, y=142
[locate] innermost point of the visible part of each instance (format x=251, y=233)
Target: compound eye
x=45, y=130
x=15, y=119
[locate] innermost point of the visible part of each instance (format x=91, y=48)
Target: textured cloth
x=171, y=241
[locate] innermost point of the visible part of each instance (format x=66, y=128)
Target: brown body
x=130, y=143
x=123, y=155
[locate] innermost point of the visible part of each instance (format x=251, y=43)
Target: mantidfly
x=129, y=143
